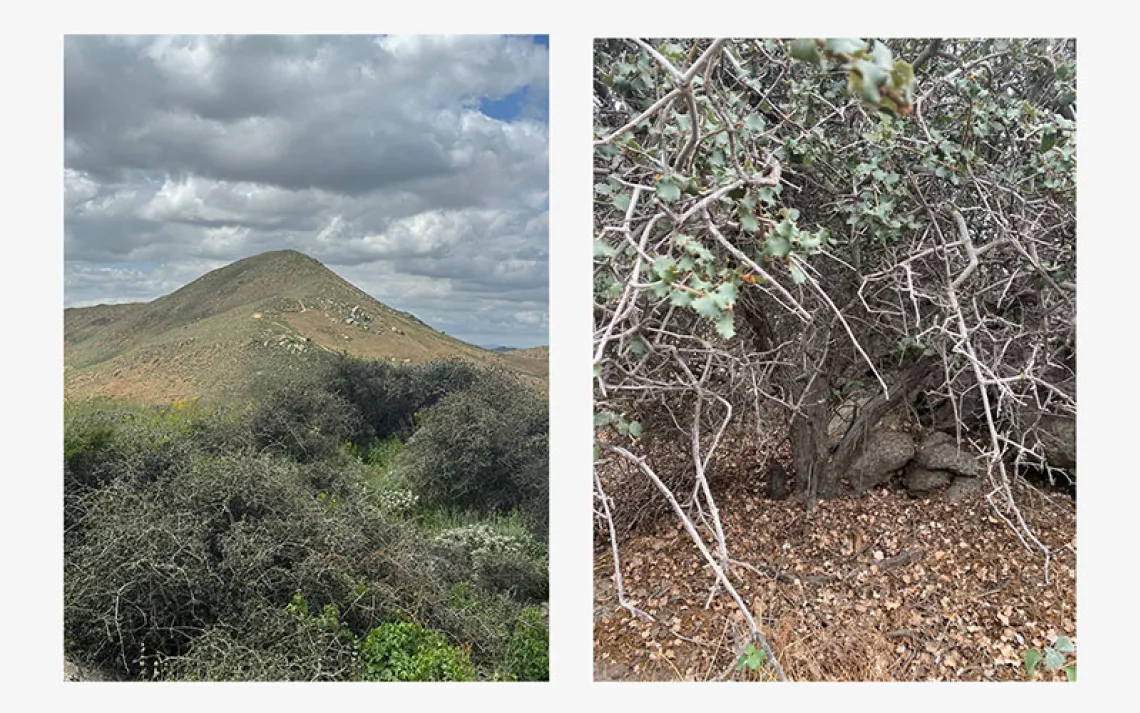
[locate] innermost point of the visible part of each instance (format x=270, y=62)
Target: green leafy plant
x=405, y=651
x=1053, y=658
x=528, y=656
x=753, y=658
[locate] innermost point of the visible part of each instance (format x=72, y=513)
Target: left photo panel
x=305, y=358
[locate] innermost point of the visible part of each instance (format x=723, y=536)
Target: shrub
x=304, y=422
x=482, y=553
x=528, y=654
x=207, y=548
x=484, y=448
x=404, y=651
x=275, y=644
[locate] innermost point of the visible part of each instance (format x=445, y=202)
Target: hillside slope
x=266, y=315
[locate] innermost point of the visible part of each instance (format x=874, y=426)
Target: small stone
x=963, y=488
x=938, y=451
x=921, y=481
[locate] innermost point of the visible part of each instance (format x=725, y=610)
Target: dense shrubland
x=784, y=229
x=337, y=529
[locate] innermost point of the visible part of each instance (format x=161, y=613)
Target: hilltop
x=268, y=314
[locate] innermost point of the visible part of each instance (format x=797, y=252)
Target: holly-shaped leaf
x=707, y=306
x=748, y=220
x=726, y=295
x=755, y=122
x=680, y=298
x=665, y=268
x=668, y=189
x=797, y=273
x=725, y=325
x=845, y=45
x=806, y=50
x=881, y=54
x=777, y=245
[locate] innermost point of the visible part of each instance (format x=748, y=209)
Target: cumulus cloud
x=414, y=166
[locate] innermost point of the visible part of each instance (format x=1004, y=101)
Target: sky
x=414, y=167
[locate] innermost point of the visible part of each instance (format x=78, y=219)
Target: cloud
x=418, y=162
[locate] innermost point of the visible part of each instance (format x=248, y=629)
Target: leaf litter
x=879, y=588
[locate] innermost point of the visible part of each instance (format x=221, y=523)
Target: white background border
x=31, y=112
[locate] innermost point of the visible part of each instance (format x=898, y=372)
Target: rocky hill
x=270, y=314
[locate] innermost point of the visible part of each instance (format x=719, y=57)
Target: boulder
x=884, y=453
x=938, y=451
x=921, y=481
x=1059, y=436
x=963, y=489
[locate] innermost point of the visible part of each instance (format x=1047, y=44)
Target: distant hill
x=269, y=314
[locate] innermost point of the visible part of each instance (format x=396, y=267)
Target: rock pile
x=936, y=464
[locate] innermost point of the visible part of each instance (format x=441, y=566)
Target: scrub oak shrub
x=304, y=422
x=210, y=547
x=482, y=449
x=275, y=644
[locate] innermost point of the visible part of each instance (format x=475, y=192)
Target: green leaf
x=725, y=324
x=1048, y=139
x=604, y=418
x=797, y=274
x=1064, y=644
x=1071, y=672
x=635, y=428
x=637, y=347
x=866, y=78
x=665, y=268
x=777, y=245
x=806, y=50
x=668, y=189
x=603, y=249
x=707, y=306
x=681, y=298
x=726, y=294
x=845, y=45
x=1032, y=658
x=621, y=201
x=811, y=242
x=748, y=220
x=755, y=122
x=881, y=54
x=597, y=370
x=1053, y=658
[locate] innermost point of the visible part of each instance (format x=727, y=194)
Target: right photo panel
x=834, y=359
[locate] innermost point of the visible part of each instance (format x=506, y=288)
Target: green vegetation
x=1055, y=658
x=298, y=538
